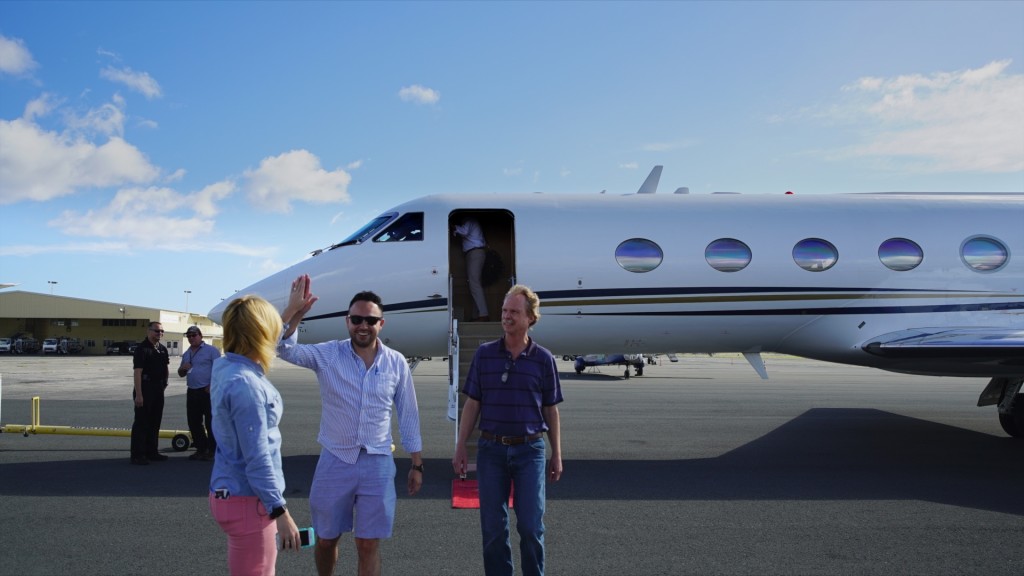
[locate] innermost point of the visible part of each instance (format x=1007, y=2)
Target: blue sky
x=149, y=148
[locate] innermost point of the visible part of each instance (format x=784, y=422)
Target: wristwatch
x=276, y=512
x=418, y=468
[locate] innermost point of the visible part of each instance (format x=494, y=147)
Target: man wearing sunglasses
x=362, y=382
x=197, y=366
x=513, y=388
x=150, y=364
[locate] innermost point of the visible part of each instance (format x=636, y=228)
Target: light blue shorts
x=360, y=495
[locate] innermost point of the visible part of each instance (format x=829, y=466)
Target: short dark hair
x=367, y=296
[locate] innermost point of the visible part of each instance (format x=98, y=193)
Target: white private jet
x=915, y=283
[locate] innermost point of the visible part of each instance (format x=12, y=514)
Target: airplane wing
x=1005, y=344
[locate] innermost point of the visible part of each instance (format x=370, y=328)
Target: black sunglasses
x=155, y=330
x=370, y=320
x=508, y=366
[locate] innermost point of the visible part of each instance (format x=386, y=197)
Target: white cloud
x=419, y=94
x=139, y=81
x=41, y=165
x=24, y=250
x=108, y=119
x=175, y=176
x=134, y=213
x=15, y=58
x=964, y=121
x=40, y=107
x=204, y=202
x=294, y=175
x=629, y=166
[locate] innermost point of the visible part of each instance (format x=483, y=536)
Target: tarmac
x=696, y=467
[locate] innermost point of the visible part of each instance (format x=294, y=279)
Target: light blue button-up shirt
x=358, y=401
x=201, y=360
x=247, y=410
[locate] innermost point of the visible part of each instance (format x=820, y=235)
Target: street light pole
x=187, y=292
x=52, y=283
x=123, y=310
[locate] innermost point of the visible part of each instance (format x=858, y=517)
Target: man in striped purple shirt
x=513, y=389
x=362, y=382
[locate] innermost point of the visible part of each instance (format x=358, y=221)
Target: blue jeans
x=497, y=468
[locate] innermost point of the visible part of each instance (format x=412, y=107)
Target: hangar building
x=28, y=319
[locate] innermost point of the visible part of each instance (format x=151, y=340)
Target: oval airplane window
x=984, y=254
x=815, y=254
x=727, y=255
x=900, y=254
x=638, y=255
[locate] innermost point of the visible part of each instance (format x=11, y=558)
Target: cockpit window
x=407, y=228
x=365, y=232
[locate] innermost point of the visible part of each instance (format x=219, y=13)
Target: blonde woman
x=247, y=483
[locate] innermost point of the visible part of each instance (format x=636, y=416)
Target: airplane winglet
x=754, y=358
x=650, y=186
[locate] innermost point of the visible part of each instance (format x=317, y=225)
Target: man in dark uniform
x=151, y=366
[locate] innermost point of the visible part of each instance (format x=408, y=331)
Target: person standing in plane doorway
x=197, y=366
x=474, y=247
x=513, y=387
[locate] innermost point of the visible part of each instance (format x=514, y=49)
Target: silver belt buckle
x=221, y=494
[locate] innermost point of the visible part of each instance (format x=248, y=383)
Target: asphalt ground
x=697, y=467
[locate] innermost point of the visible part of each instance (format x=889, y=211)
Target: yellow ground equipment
x=181, y=440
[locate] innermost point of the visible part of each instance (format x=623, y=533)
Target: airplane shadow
x=823, y=454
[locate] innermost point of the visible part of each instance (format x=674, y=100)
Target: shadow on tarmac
x=824, y=454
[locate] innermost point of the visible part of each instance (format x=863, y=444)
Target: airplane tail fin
x=650, y=186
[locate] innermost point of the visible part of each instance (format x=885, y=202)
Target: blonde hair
x=532, y=300
x=252, y=327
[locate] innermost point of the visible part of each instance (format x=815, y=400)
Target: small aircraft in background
x=637, y=361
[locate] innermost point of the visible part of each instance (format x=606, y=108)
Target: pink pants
x=252, y=535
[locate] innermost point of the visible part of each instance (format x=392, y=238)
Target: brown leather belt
x=510, y=440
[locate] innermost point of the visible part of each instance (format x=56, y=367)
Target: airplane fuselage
x=816, y=276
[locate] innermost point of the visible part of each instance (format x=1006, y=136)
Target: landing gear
x=1012, y=419
x=1006, y=393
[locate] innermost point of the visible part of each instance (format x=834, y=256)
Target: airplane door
x=499, y=268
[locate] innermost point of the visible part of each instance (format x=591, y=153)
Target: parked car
x=126, y=347
x=26, y=346
x=6, y=346
x=70, y=346
x=49, y=346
